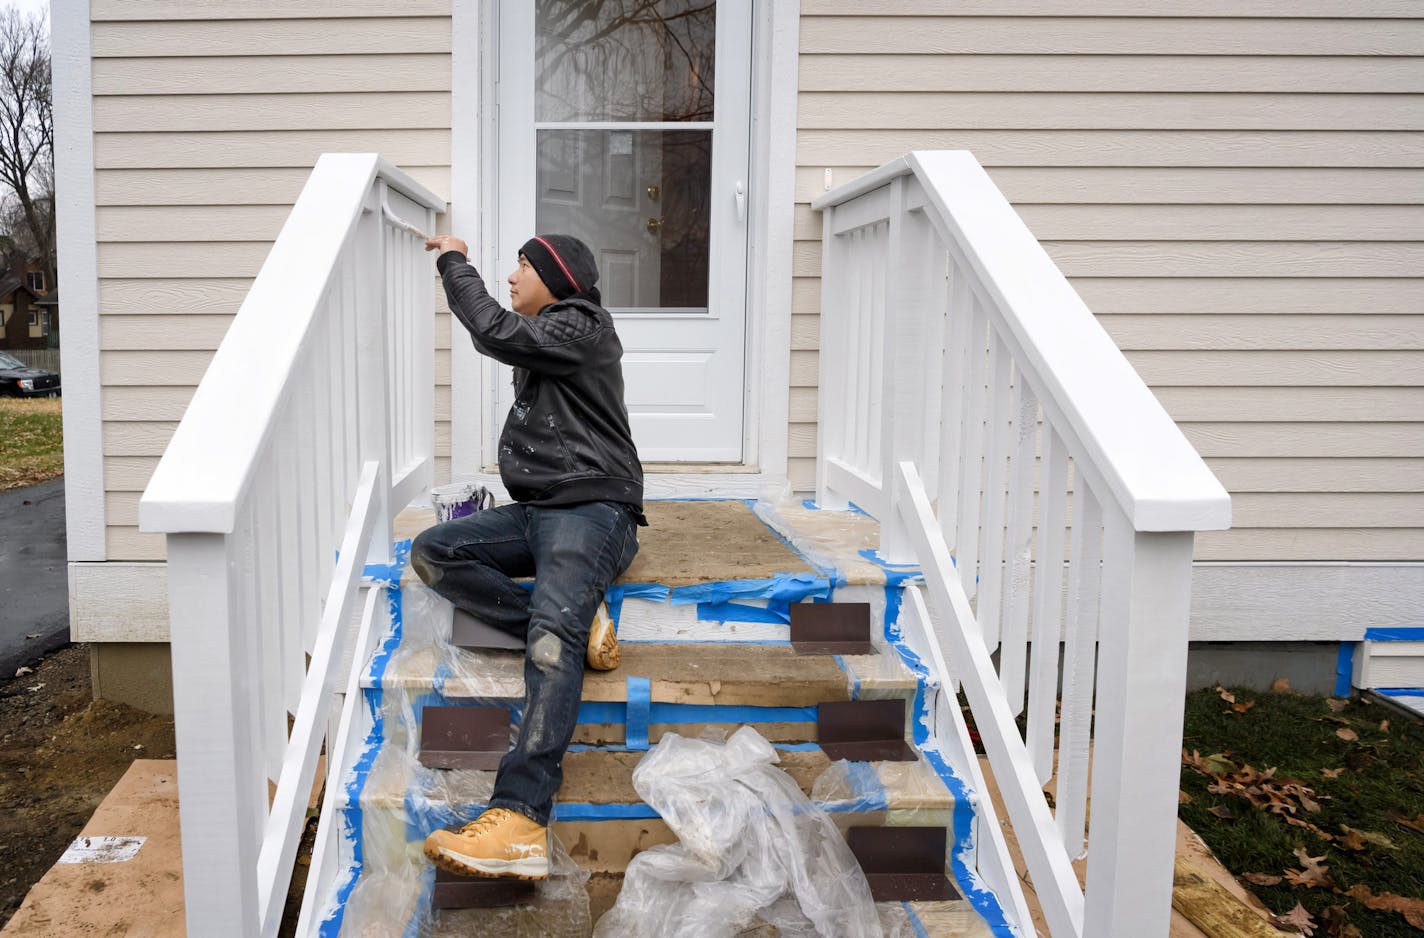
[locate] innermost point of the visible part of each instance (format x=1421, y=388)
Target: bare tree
x=27, y=133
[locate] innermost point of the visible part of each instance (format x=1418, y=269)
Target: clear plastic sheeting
x=402, y=801
x=426, y=660
x=753, y=850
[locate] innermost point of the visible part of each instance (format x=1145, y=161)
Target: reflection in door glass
x=640, y=198
x=624, y=60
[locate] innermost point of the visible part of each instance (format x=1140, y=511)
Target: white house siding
x=208, y=117
x=1234, y=187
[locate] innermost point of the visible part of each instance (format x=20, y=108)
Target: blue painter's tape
x=640, y=711
x=1344, y=669
x=962, y=817
x=352, y=818
x=1401, y=634
x=1399, y=691
x=656, y=592
x=603, y=812
x=389, y=573
x=915, y=922
x=854, y=679
x=697, y=713
x=776, y=613
x=785, y=587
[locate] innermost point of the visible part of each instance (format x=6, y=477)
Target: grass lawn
x=1311, y=800
x=31, y=441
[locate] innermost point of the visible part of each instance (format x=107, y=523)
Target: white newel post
x=222, y=803
x=372, y=367
x=1138, y=737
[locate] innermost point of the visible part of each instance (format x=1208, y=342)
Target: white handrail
x=312, y=425
x=971, y=402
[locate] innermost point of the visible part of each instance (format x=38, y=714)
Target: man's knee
x=423, y=559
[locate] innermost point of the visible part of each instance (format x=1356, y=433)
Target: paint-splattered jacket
x=566, y=439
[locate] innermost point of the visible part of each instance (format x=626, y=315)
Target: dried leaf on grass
x=1222, y=811
x=1297, y=918
x=1337, y=923
x=1184, y=798
x=1415, y=823
x=1225, y=694
x=1262, y=879
x=1314, y=874
x=1347, y=734
x=1280, y=685
x=1411, y=909
x=1337, y=704
x=1331, y=773
x=1368, y=837
x=1384, y=726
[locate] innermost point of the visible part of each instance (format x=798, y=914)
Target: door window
x=608, y=80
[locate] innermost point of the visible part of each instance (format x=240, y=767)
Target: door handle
x=654, y=225
x=740, y=194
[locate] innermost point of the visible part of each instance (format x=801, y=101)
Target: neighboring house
x=26, y=320
x=1233, y=187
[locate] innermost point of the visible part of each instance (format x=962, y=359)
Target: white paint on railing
x=953, y=354
x=1054, y=880
x=313, y=421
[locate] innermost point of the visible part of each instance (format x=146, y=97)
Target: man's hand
x=443, y=243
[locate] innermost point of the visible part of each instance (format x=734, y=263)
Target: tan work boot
x=498, y=843
x=603, y=642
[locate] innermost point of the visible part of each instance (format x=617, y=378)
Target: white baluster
x=1048, y=598
x=1018, y=585
x=959, y=318
x=998, y=427
x=971, y=463
x=1079, y=658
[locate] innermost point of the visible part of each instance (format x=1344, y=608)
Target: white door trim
x=771, y=193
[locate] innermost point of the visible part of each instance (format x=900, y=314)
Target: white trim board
x=1278, y=602
x=118, y=601
x=771, y=201
x=78, y=280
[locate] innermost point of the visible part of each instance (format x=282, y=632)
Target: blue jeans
x=573, y=552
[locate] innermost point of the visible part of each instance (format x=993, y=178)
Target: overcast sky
x=29, y=6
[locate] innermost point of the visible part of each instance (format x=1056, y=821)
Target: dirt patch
x=60, y=753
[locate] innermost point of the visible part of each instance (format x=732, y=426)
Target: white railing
x=971, y=402
x=312, y=424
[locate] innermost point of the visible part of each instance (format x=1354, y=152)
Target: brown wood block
x=1209, y=906
x=831, y=629
x=463, y=737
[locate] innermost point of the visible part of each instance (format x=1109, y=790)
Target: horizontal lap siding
x=1235, y=187
x=208, y=117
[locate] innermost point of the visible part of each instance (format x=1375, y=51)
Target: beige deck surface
x=138, y=898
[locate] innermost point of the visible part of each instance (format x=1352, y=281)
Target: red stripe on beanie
x=560, y=261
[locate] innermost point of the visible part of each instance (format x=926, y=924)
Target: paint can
x=459, y=499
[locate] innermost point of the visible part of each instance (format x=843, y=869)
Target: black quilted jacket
x=566, y=439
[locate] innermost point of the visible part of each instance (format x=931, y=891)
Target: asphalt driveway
x=34, y=584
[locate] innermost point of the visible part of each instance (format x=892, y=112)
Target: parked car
x=20, y=380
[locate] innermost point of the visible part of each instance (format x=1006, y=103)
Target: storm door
x=625, y=123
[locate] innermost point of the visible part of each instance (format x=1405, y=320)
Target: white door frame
x=770, y=206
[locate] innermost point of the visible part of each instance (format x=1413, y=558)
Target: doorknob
x=655, y=225
x=654, y=192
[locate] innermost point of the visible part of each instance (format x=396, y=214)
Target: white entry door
x=626, y=124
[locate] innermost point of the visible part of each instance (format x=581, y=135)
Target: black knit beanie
x=563, y=262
